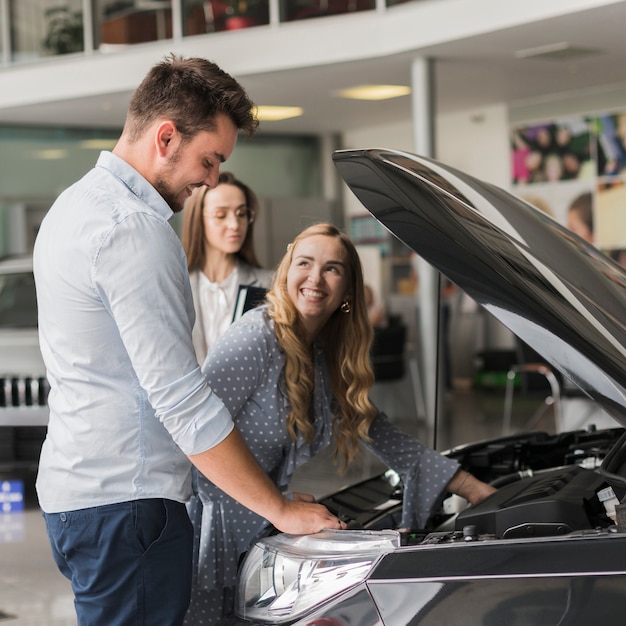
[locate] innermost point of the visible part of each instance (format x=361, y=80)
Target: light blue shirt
x=128, y=401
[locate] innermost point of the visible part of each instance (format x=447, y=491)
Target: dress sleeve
x=425, y=472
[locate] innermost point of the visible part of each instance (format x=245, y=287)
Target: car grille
x=23, y=391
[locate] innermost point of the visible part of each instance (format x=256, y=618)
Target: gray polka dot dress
x=245, y=368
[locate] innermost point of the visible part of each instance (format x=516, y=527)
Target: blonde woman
x=295, y=373
x=218, y=238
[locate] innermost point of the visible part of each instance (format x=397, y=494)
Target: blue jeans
x=130, y=564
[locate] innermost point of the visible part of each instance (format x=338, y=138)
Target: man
x=129, y=406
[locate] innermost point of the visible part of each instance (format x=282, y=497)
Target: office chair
x=534, y=374
x=390, y=361
x=388, y=346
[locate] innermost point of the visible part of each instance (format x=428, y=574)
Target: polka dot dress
x=245, y=369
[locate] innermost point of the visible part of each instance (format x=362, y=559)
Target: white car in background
x=23, y=384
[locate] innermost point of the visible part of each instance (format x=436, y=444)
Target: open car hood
x=556, y=292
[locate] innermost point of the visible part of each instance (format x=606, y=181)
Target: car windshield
x=18, y=301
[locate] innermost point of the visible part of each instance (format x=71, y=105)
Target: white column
x=177, y=20
x=274, y=12
x=422, y=82
x=6, y=32
x=15, y=223
x=87, y=26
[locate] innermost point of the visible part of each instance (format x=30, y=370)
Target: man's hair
x=191, y=92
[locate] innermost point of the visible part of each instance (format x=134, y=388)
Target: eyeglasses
x=240, y=214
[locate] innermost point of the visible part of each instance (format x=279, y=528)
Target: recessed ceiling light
x=374, y=92
x=277, y=113
x=51, y=154
x=98, y=144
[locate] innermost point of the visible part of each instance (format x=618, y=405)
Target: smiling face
x=196, y=162
x=226, y=218
x=317, y=280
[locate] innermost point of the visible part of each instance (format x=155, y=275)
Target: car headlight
x=284, y=576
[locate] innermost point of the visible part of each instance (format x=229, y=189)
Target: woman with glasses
x=218, y=231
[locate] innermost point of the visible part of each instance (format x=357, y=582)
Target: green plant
x=65, y=30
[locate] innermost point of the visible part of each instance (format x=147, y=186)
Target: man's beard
x=163, y=187
x=168, y=195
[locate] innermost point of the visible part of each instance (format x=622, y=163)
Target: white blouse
x=216, y=305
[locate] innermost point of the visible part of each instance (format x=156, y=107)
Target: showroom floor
x=34, y=593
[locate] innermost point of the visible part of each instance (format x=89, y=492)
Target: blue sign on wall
x=11, y=496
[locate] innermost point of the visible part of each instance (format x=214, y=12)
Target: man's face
x=195, y=163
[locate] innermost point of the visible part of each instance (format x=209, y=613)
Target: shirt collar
x=135, y=182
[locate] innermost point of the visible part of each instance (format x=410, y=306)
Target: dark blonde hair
x=191, y=92
x=348, y=337
x=194, y=240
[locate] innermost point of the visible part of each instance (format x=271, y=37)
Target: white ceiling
x=469, y=74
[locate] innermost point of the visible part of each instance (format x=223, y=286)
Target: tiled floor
x=34, y=593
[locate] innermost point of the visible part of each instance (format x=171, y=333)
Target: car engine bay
x=548, y=485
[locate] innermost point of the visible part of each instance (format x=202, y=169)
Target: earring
x=345, y=307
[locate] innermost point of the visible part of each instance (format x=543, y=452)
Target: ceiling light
x=277, y=113
x=374, y=92
x=50, y=154
x=98, y=144
x=560, y=51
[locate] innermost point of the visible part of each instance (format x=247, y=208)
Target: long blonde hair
x=347, y=339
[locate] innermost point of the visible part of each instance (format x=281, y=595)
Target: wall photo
x=552, y=151
x=574, y=170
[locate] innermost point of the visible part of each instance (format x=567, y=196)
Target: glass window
x=303, y=9
x=38, y=163
x=197, y=17
x=123, y=22
x=53, y=157
x=39, y=28
x=216, y=15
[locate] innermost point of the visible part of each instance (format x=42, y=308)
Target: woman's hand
x=469, y=487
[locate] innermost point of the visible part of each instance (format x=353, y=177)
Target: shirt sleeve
x=141, y=277
x=425, y=472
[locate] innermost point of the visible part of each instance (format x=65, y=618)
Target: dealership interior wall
x=475, y=140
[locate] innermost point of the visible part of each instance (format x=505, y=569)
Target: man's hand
x=299, y=517
x=302, y=497
x=231, y=467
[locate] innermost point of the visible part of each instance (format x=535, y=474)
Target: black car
x=549, y=547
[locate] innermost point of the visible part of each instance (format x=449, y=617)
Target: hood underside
x=556, y=292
